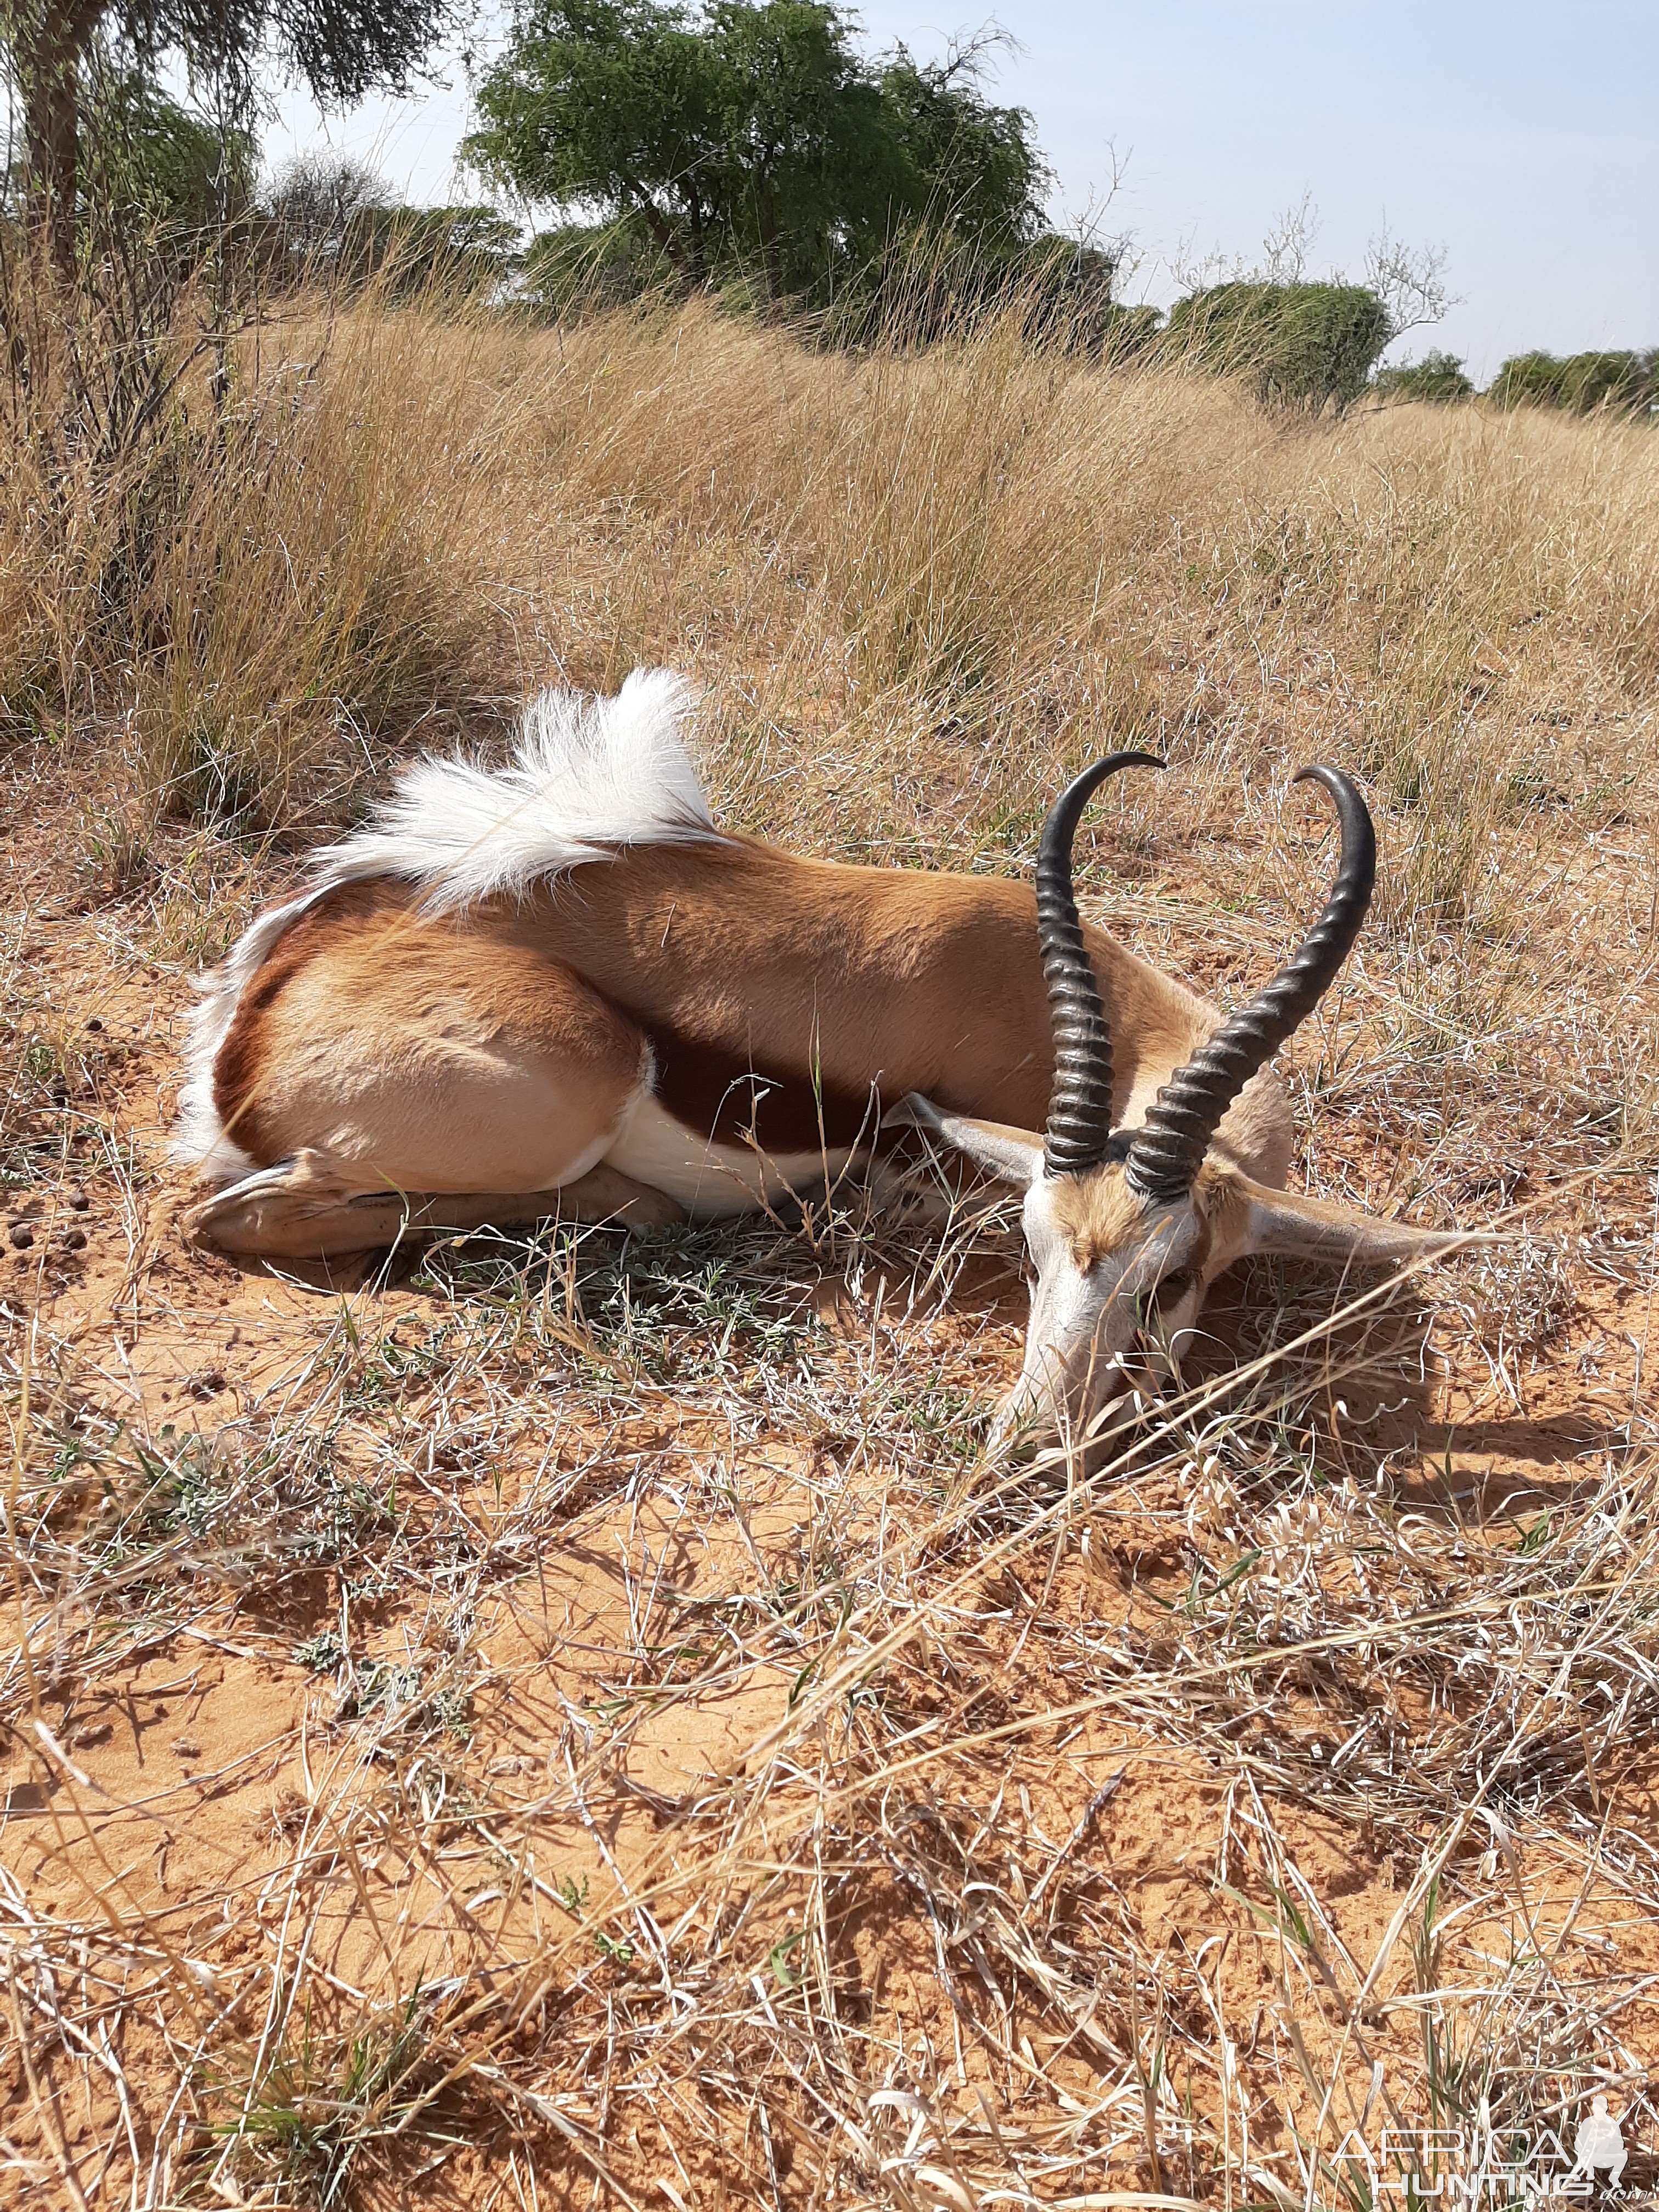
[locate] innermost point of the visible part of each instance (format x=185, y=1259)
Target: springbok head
x=1126, y=1228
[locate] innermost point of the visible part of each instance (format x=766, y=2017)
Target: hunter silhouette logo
x=1599, y=2144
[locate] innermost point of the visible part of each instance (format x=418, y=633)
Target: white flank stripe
x=711, y=1179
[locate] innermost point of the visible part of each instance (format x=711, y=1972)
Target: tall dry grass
x=1121, y=1840
x=944, y=579
x=398, y=517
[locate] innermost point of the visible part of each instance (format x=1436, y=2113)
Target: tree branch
x=655, y=223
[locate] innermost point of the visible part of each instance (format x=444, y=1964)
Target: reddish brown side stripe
x=724, y=1097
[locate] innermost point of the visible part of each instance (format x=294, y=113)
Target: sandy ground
x=663, y=1768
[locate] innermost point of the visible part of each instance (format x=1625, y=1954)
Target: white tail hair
x=587, y=775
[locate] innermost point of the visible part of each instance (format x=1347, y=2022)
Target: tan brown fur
x=926, y=982
x=493, y=1049
x=432, y=1054
x=1096, y=1212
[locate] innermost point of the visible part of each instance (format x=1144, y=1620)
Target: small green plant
x=117, y=848
x=310, y=2120
x=382, y=1685
x=1529, y=1543
x=781, y=1959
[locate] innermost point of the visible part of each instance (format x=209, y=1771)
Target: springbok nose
x=1028, y=1412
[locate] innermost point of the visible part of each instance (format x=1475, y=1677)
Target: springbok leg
x=306, y=1209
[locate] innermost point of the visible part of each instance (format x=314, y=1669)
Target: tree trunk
x=49, y=54
x=654, y=223
x=766, y=207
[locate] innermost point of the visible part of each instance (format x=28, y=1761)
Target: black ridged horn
x=1080, y=1104
x=1167, y=1151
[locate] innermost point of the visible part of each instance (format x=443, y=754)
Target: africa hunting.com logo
x=1480, y=2167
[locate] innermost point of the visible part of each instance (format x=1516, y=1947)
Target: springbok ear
x=1310, y=1229
x=1013, y=1155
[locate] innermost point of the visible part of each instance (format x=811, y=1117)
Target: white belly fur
x=710, y=1179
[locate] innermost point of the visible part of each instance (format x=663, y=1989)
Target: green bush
x=1298, y=344
x=586, y=267
x=929, y=284
x=1579, y=382
x=926, y=285
x=1438, y=376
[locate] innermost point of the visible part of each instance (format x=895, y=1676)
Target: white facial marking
x=1085, y=1325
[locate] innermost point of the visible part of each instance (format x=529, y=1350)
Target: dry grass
x=582, y=1723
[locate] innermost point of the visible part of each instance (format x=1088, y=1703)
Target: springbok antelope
x=559, y=988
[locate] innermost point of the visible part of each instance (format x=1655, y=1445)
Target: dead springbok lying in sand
x=559, y=988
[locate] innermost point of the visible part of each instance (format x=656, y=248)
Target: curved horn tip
x=1083, y=785
x=1359, y=831
x=1188, y=1109
x=1342, y=787
x=1132, y=760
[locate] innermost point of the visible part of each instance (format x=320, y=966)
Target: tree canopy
x=752, y=131
x=1580, y=382
x=340, y=49
x=173, y=172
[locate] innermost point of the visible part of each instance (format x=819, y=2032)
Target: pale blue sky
x=1523, y=138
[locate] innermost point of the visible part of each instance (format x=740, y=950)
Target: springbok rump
x=559, y=989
